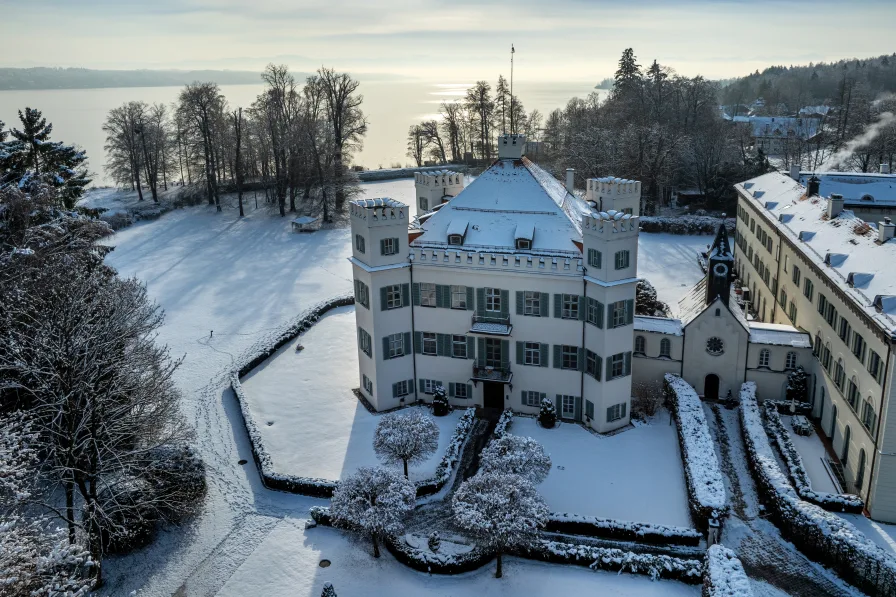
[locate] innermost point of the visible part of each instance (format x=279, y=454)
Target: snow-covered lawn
x=310, y=421
x=812, y=452
x=635, y=475
x=286, y=564
x=884, y=535
x=669, y=262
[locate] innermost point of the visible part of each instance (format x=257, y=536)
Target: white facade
x=614, y=193
x=435, y=188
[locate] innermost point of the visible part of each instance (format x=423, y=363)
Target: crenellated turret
x=379, y=231
x=611, y=193
x=610, y=245
x=435, y=188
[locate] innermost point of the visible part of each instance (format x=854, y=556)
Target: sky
x=555, y=40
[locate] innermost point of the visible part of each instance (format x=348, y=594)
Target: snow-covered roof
x=305, y=220
x=660, y=325
x=778, y=335
x=694, y=303
x=857, y=188
x=510, y=195
x=851, y=245
x=524, y=231
x=457, y=226
x=379, y=202
x=780, y=126
x=489, y=327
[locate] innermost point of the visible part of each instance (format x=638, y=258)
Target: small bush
x=647, y=398
x=126, y=521
x=547, y=416
x=440, y=406
x=434, y=542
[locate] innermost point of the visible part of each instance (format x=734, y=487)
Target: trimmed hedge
x=452, y=456
x=706, y=489
x=685, y=224
x=589, y=526
x=723, y=575
x=822, y=536
x=833, y=502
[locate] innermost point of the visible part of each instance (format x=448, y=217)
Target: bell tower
x=720, y=270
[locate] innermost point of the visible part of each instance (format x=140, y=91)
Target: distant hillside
x=83, y=78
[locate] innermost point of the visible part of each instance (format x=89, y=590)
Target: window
x=393, y=296
x=364, y=342
x=786, y=263
x=839, y=374
x=622, y=313
x=428, y=386
x=858, y=347
x=852, y=394
x=402, y=388
x=844, y=330
x=523, y=243
x=617, y=365
x=532, y=303
x=362, y=294
x=458, y=297
x=782, y=300
x=594, y=258
x=389, y=246
x=592, y=364
x=622, y=259
x=493, y=355
x=532, y=353
x=715, y=346
x=360, y=245
x=595, y=313
x=826, y=357
x=790, y=361
x=461, y=391
x=666, y=348
x=795, y=276
x=860, y=471
x=531, y=398
x=459, y=347
x=430, y=346
x=570, y=357
x=792, y=313
x=368, y=385
x=589, y=409
x=808, y=289
x=822, y=304
x=455, y=239
x=765, y=356
x=869, y=417
x=427, y=294
x=567, y=406
x=640, y=345
x=423, y=203
x=874, y=366
x=395, y=343
x=831, y=315
x=570, y=306
x=493, y=299
x=616, y=412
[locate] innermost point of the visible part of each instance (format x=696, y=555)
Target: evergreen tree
x=628, y=75
x=797, y=384
x=547, y=416
x=328, y=591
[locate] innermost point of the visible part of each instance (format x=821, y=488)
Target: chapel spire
x=719, y=270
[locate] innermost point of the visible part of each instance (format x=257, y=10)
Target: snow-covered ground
x=669, y=262
x=635, y=475
x=286, y=564
x=311, y=423
x=812, y=452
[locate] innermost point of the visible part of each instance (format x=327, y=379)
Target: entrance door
x=711, y=387
x=493, y=395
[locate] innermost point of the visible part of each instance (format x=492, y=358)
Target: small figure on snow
x=211, y=333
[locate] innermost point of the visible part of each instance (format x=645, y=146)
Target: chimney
x=885, y=168
x=795, y=172
x=835, y=205
x=570, y=179
x=886, y=230
x=813, y=187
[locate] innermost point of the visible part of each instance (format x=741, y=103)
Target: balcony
x=488, y=373
x=491, y=325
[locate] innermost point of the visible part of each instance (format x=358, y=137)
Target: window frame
x=617, y=359
x=666, y=348
x=571, y=401
x=569, y=357
x=532, y=353
x=765, y=358
x=640, y=345
x=569, y=306
x=360, y=243
x=458, y=346
x=393, y=297
x=396, y=346
x=532, y=395
x=402, y=388
x=790, y=361
x=622, y=259
x=429, y=345
x=389, y=246
x=461, y=388
x=458, y=297
x=428, y=294
x=493, y=298
x=531, y=303
x=455, y=240
x=364, y=338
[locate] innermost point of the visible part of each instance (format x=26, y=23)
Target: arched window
x=869, y=416
x=860, y=471
x=847, y=436
x=839, y=375
x=790, y=362
x=640, y=345
x=826, y=357
x=666, y=348
x=765, y=356
x=852, y=393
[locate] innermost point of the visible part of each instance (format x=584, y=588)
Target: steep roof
x=660, y=325
x=694, y=303
x=510, y=195
x=859, y=188
x=777, y=334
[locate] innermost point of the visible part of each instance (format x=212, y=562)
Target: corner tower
x=611, y=193
x=435, y=188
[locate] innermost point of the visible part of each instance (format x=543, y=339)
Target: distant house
x=771, y=133
x=305, y=224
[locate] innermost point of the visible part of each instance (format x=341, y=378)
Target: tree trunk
x=70, y=511
x=376, y=545
x=405, y=469
x=499, y=571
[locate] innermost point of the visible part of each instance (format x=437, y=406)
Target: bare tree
x=433, y=136
x=201, y=106
x=417, y=143
x=238, y=166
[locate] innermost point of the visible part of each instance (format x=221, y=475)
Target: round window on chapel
x=715, y=346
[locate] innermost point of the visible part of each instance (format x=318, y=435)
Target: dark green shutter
x=600, y=367
x=451, y=389
x=383, y=246
x=469, y=298
x=395, y=390
x=543, y=304
x=357, y=292
x=558, y=405
x=628, y=363
x=622, y=410
x=558, y=305
x=386, y=348
x=543, y=357
x=481, y=350
x=505, y=303
x=629, y=311
x=580, y=359
x=558, y=356
x=520, y=350
x=480, y=301
x=609, y=368
x=520, y=301
x=471, y=347
x=420, y=385
x=505, y=354
x=418, y=342
x=405, y=295
x=443, y=345
x=416, y=294
x=440, y=296
x=410, y=385
x=578, y=408
x=600, y=315
x=383, y=299
x=407, y=343
x=469, y=390
x=581, y=308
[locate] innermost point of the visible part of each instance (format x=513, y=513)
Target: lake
x=391, y=108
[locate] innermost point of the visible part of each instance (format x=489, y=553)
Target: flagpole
x=512, y=52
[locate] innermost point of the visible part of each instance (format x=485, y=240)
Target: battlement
x=610, y=223
x=511, y=147
x=440, y=178
x=380, y=212
x=611, y=186
x=496, y=261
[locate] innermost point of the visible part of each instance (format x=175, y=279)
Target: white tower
x=610, y=246
x=382, y=301
x=617, y=194
x=435, y=188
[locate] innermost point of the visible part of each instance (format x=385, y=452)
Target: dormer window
x=457, y=230
x=455, y=239
x=523, y=243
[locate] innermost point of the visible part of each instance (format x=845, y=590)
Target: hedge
x=620, y=530
x=723, y=575
x=452, y=456
x=822, y=536
x=685, y=224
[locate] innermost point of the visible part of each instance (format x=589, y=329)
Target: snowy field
x=310, y=421
x=669, y=262
x=636, y=475
x=287, y=565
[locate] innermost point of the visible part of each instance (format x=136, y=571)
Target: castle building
x=806, y=261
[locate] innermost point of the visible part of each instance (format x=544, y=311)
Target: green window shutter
x=600, y=315
x=578, y=408
x=543, y=357
x=480, y=301
x=630, y=311
x=622, y=410
x=383, y=294
x=505, y=303
x=469, y=390
x=611, y=316
x=395, y=390
x=451, y=389
x=544, y=304
x=357, y=291
x=416, y=294
x=420, y=385
x=405, y=295
x=407, y=343
x=519, y=353
x=609, y=368
x=469, y=298
x=580, y=359
x=581, y=308
x=481, y=351
x=628, y=363
x=558, y=404
x=410, y=385
x=440, y=296
x=505, y=353
x=446, y=296
x=599, y=259
x=418, y=342
x=383, y=246
x=471, y=347
x=609, y=414
x=558, y=305
x=443, y=345
x=386, y=348
x=520, y=299
x=558, y=356
x=591, y=257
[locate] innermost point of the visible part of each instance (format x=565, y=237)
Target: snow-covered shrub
x=406, y=438
x=516, y=455
x=724, y=575
x=434, y=542
x=706, y=488
x=440, y=406
x=801, y=425
x=590, y=526
x=797, y=385
x=685, y=224
x=547, y=416
x=452, y=455
x=178, y=473
x=127, y=521
x=823, y=537
x=117, y=220
x=328, y=591
x=503, y=424
x=829, y=501
x=647, y=398
x=647, y=301
x=373, y=501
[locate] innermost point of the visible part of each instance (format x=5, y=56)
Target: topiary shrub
x=434, y=542
x=547, y=416
x=440, y=406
